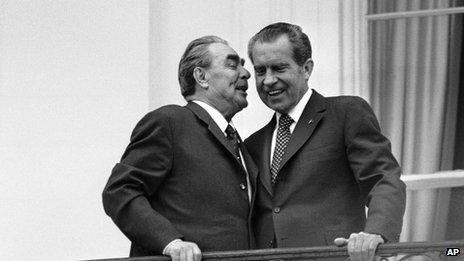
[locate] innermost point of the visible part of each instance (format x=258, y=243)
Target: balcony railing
x=402, y=251
x=447, y=250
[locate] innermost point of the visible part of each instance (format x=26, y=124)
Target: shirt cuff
x=170, y=243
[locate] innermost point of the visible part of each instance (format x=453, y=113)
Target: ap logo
x=452, y=251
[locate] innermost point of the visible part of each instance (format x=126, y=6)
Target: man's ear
x=200, y=77
x=308, y=68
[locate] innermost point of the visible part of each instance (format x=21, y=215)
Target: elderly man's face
x=227, y=80
x=280, y=81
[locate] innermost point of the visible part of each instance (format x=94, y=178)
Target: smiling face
x=227, y=80
x=280, y=81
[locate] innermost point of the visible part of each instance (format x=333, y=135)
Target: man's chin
x=281, y=108
x=241, y=104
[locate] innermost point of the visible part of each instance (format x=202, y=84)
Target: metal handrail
x=308, y=253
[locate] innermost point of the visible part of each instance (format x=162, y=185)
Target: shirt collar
x=218, y=118
x=296, y=111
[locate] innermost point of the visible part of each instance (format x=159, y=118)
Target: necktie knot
x=230, y=131
x=285, y=121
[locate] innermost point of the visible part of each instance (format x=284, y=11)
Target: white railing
x=442, y=179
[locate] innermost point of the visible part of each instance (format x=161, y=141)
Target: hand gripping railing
x=447, y=250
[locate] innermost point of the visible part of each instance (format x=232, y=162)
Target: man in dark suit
x=321, y=160
x=185, y=181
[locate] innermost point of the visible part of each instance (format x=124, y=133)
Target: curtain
x=414, y=86
x=354, y=69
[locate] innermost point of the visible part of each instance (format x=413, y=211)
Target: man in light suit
x=185, y=181
x=321, y=160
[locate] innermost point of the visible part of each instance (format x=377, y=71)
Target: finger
x=351, y=247
x=196, y=253
x=365, y=247
x=358, y=247
x=189, y=253
x=175, y=255
x=378, y=240
x=340, y=241
x=372, y=247
x=183, y=253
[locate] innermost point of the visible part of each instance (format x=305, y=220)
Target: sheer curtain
x=354, y=49
x=414, y=87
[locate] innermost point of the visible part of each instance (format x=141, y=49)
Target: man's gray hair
x=196, y=55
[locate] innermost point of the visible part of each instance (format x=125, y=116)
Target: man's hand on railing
x=361, y=246
x=180, y=250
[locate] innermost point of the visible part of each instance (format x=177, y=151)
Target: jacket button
x=276, y=210
x=242, y=186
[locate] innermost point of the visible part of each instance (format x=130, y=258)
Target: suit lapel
x=312, y=114
x=213, y=128
x=265, y=160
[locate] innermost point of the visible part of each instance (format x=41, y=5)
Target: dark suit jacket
x=336, y=163
x=178, y=178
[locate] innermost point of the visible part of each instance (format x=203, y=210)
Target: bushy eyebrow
x=233, y=57
x=236, y=59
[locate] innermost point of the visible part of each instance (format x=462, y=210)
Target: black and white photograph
x=193, y=130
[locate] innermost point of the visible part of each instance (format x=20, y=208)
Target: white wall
x=73, y=83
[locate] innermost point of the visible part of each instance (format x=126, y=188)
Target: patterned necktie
x=283, y=136
x=232, y=137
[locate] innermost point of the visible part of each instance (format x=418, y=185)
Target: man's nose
x=269, y=79
x=245, y=73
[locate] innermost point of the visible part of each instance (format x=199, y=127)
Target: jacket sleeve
x=144, y=165
x=376, y=170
